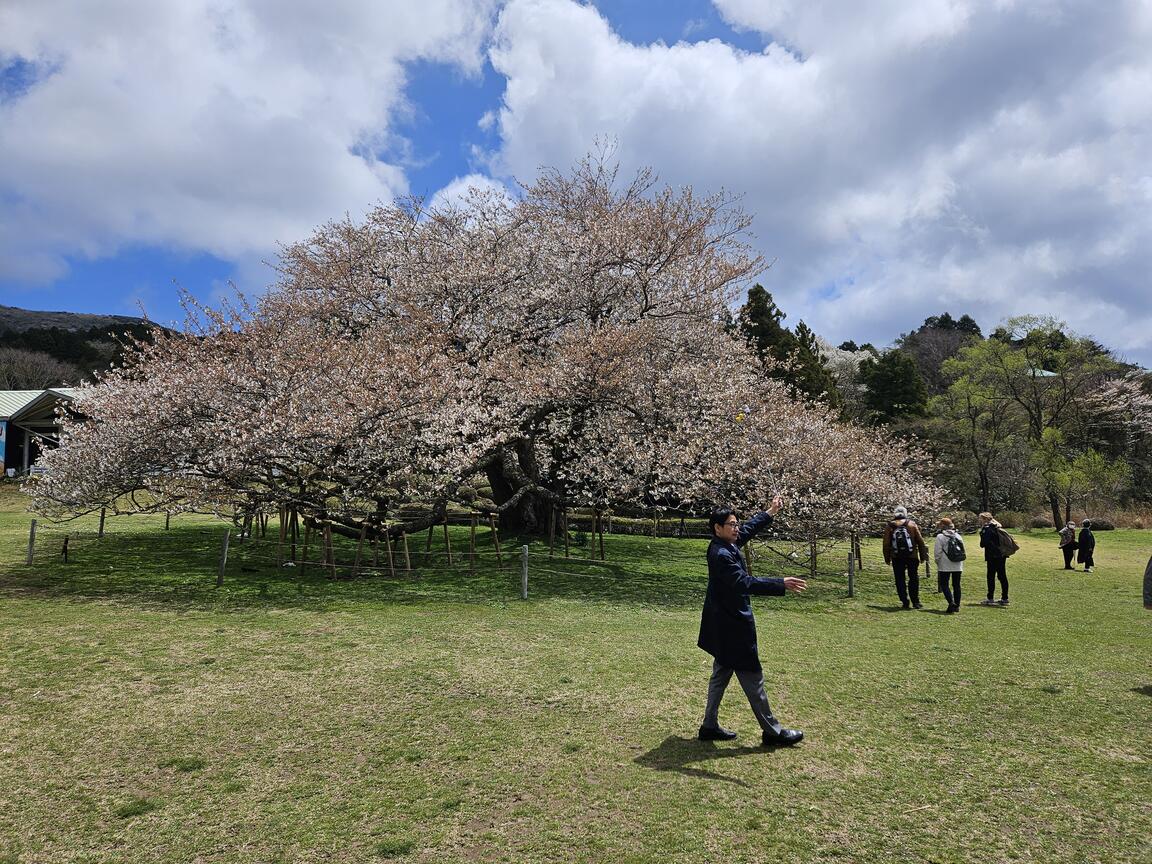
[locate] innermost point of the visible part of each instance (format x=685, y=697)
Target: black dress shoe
x=715, y=733
x=783, y=738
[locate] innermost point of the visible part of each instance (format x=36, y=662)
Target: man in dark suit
x=728, y=628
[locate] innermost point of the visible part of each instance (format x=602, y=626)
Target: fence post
x=851, y=571
x=523, y=572
x=223, y=557
x=31, y=542
x=812, y=553
x=100, y=535
x=167, y=521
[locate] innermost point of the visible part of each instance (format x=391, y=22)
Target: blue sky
x=900, y=160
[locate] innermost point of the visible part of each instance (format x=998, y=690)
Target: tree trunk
x=507, y=477
x=1054, y=501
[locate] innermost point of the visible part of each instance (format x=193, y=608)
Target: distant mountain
x=14, y=320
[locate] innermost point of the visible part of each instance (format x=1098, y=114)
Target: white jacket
x=944, y=564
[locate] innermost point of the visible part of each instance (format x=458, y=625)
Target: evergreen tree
x=894, y=387
x=801, y=365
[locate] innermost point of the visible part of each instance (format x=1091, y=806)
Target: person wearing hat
x=904, y=549
x=728, y=628
x=1068, y=544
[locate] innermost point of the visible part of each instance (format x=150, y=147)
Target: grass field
x=146, y=715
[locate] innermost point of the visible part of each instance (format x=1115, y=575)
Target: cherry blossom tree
x=565, y=345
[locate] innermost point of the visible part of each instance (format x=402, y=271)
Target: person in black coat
x=1087, y=545
x=728, y=628
x=993, y=560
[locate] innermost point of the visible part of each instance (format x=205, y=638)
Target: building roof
x=12, y=401
x=15, y=404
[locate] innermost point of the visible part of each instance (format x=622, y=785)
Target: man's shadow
x=675, y=754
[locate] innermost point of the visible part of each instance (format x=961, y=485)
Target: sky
x=900, y=160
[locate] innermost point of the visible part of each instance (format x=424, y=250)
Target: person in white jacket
x=948, y=569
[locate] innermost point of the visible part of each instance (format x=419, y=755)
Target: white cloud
x=986, y=157
x=458, y=190
x=223, y=126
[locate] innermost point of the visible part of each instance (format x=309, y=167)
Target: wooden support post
x=407, y=557
x=167, y=521
x=31, y=542
x=100, y=533
x=388, y=547
x=472, y=546
x=447, y=541
x=564, y=519
x=282, y=536
x=376, y=548
x=329, y=551
x=655, y=522
x=551, y=529
x=495, y=538
x=307, y=540
x=428, y=545
x=64, y=550
x=523, y=572
x=295, y=529
x=223, y=557
x=360, y=549
x=246, y=525
x=681, y=526
x=812, y=554
x=600, y=525
x=851, y=572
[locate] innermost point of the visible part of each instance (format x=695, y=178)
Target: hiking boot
x=917, y=606
x=951, y=610
x=988, y=602
x=1087, y=569
x=1003, y=602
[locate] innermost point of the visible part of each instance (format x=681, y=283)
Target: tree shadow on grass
x=176, y=570
x=1146, y=690
x=677, y=754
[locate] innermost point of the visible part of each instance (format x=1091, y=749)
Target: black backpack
x=955, y=548
x=902, y=541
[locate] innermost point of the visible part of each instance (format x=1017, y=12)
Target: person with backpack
x=949, y=552
x=992, y=536
x=904, y=549
x=1068, y=544
x=1087, y=546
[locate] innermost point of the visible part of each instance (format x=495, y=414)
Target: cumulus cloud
x=223, y=126
x=979, y=156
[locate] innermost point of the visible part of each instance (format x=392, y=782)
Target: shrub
x=1041, y=521
x=1103, y=525
x=1012, y=519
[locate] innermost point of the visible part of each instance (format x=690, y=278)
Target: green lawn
x=146, y=715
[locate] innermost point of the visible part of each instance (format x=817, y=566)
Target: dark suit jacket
x=727, y=626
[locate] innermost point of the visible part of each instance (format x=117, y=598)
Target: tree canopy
x=567, y=345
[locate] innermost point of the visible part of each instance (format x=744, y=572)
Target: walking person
x=994, y=559
x=949, y=552
x=728, y=628
x=1068, y=544
x=904, y=549
x=1087, y=546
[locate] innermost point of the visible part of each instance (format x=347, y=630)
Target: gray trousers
x=753, y=684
